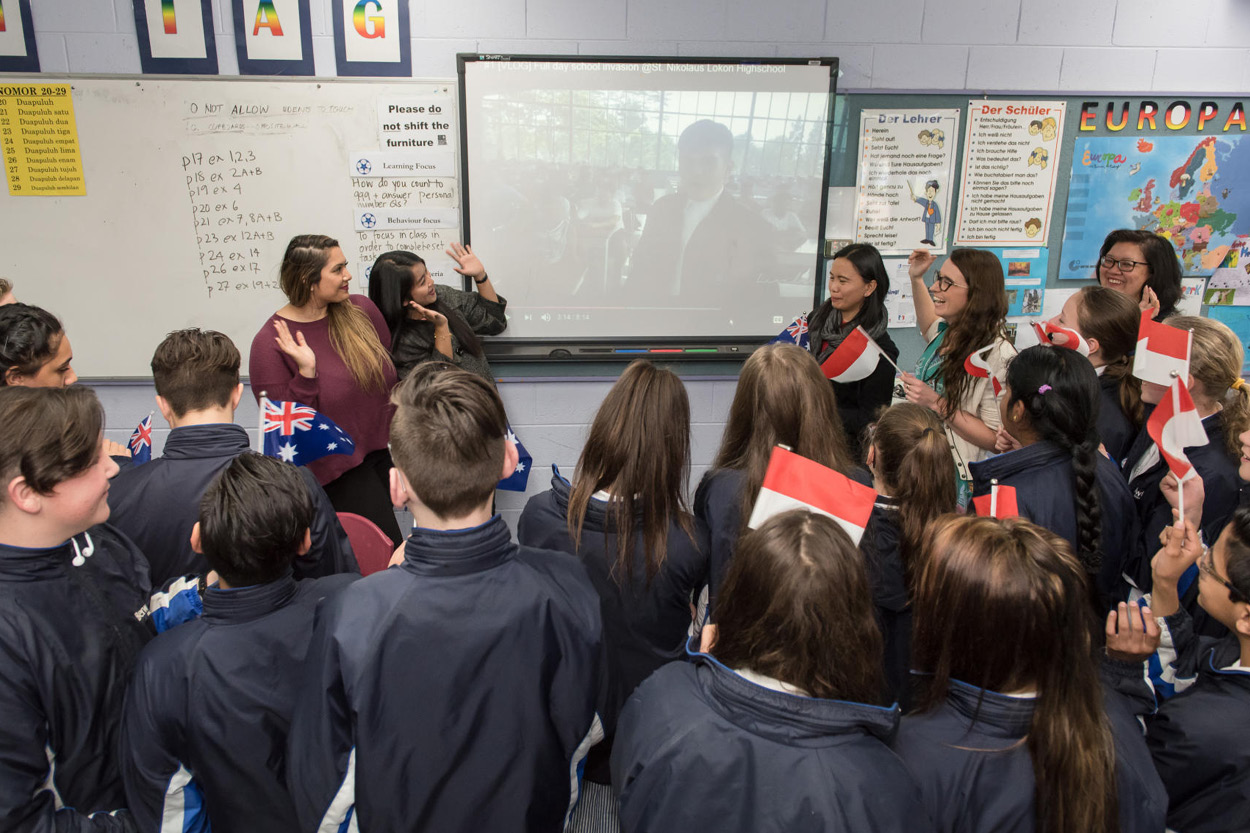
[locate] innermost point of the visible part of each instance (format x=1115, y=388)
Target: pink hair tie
x=1043, y=389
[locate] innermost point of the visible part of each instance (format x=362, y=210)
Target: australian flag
x=298, y=434
x=796, y=333
x=521, y=477
x=140, y=443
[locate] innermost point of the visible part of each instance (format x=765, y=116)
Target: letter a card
x=273, y=37
x=176, y=36
x=371, y=37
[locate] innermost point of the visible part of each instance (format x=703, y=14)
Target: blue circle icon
x=363, y=167
x=368, y=220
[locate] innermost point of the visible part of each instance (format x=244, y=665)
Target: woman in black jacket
x=858, y=284
x=436, y=323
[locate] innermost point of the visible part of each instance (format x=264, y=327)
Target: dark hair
x=796, y=606
x=1060, y=393
x=989, y=588
x=638, y=449
x=1237, y=556
x=979, y=325
x=1113, y=319
x=933, y=183
x=782, y=398
x=196, y=369
x=707, y=134
x=351, y=332
x=51, y=434
x=1161, y=262
x=866, y=260
x=253, y=518
x=29, y=339
x=916, y=467
x=390, y=288
x=447, y=437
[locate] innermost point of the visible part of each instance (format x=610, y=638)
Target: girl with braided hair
x=1050, y=406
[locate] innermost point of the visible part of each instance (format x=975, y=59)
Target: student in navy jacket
x=911, y=465
x=1050, y=406
x=1200, y=738
x=1220, y=396
x=458, y=690
x=197, y=390
x=777, y=728
x=74, y=614
x=625, y=517
x=205, y=726
x=1011, y=730
x=782, y=398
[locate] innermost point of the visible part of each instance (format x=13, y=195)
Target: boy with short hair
x=74, y=614
x=197, y=390
x=205, y=728
x=458, y=690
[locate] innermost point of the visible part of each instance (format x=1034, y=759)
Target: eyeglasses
x=944, y=283
x=1122, y=265
x=1206, y=563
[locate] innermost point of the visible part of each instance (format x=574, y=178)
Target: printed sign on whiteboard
x=176, y=36
x=371, y=37
x=273, y=37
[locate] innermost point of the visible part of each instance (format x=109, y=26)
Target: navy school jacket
x=1200, y=739
x=73, y=619
x=888, y=578
x=700, y=747
x=205, y=728
x=971, y=761
x=1115, y=430
x=644, y=625
x=157, y=503
x=1042, y=476
x=456, y=691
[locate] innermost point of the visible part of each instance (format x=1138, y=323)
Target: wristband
x=485, y=278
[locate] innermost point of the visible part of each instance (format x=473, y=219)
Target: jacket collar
x=458, y=552
x=788, y=718
x=1029, y=458
x=995, y=713
x=596, y=517
x=243, y=604
x=195, y=441
x=35, y=564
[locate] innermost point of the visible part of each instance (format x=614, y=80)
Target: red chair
x=372, y=546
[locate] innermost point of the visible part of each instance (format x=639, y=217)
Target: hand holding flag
x=794, y=482
x=140, y=442
x=977, y=364
x=855, y=359
x=298, y=434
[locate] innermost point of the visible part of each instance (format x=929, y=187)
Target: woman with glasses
x=961, y=314
x=1143, y=266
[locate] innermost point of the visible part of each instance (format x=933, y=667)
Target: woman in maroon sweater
x=330, y=350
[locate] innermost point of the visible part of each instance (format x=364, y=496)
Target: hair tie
x=1239, y=383
x=927, y=431
x=1042, y=390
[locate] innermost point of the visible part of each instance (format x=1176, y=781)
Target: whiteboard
x=194, y=187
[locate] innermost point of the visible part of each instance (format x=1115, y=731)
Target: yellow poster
x=39, y=141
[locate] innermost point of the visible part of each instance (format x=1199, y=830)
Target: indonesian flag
x=1052, y=333
x=1175, y=426
x=999, y=503
x=854, y=359
x=1162, y=352
x=977, y=365
x=794, y=482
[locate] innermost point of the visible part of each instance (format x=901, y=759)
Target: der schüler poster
x=1011, y=163
x=903, y=185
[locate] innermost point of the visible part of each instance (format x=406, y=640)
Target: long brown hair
x=796, y=607
x=639, y=450
x=980, y=324
x=782, y=399
x=914, y=462
x=1003, y=605
x=1113, y=319
x=1215, y=364
x=351, y=332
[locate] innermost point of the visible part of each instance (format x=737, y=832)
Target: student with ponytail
x=1011, y=731
x=911, y=464
x=1108, y=321
x=1050, y=406
x=330, y=350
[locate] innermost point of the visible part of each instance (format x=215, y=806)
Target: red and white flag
x=794, y=482
x=1175, y=426
x=999, y=503
x=1054, y=334
x=1162, y=352
x=854, y=359
x=977, y=364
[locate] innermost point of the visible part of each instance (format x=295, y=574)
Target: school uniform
x=456, y=691
x=1045, y=486
x=858, y=402
x=972, y=762
x=1115, y=430
x=205, y=728
x=73, y=619
x=1200, y=738
x=414, y=340
x=158, y=503
x=703, y=747
x=645, y=623
x=888, y=578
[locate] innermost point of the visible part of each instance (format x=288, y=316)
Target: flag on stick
x=794, y=482
x=1162, y=352
x=999, y=503
x=855, y=359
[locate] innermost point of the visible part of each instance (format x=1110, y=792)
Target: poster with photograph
x=903, y=182
x=1024, y=273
